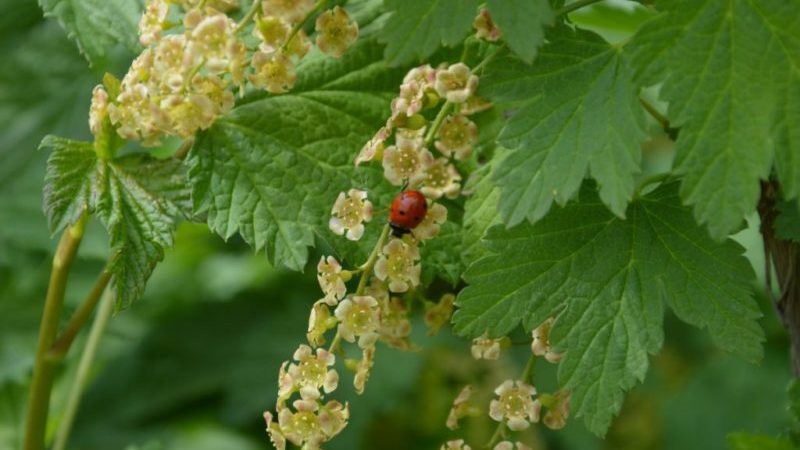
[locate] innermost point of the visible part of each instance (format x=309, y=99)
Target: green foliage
x=97, y=26
x=521, y=22
x=579, y=113
x=607, y=279
x=272, y=168
x=745, y=441
x=417, y=28
x=138, y=199
x=732, y=130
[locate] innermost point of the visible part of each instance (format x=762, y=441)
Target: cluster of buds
x=184, y=80
x=403, y=144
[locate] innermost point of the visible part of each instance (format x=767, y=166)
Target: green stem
x=44, y=367
x=437, y=122
x=61, y=346
x=370, y=264
x=566, y=9
x=660, y=118
x=248, y=16
x=299, y=25
x=104, y=313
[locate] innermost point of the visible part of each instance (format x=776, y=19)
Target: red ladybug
x=408, y=210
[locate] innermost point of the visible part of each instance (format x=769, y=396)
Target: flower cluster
x=184, y=80
x=404, y=144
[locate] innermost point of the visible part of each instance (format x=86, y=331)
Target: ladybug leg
x=398, y=231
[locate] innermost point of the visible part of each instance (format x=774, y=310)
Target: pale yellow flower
x=373, y=149
x=311, y=372
x=456, y=137
x=99, y=109
x=430, y=225
x=359, y=317
x=438, y=314
x=541, y=342
x=439, y=178
x=557, y=410
x=274, y=72
x=291, y=11
x=460, y=407
x=404, y=161
x=349, y=214
x=397, y=264
x=312, y=423
x=456, y=83
x=515, y=405
x=274, y=431
x=152, y=22
x=486, y=348
x=319, y=322
x=272, y=31
x=456, y=445
x=332, y=279
x=395, y=328
x=508, y=445
x=485, y=27
x=336, y=31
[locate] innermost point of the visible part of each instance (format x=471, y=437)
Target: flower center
x=514, y=402
x=360, y=319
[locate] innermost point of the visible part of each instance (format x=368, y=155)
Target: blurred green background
x=194, y=363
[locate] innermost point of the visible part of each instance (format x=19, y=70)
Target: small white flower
x=507, y=445
x=430, y=225
x=311, y=373
x=515, y=405
x=405, y=161
x=440, y=178
x=557, y=410
x=456, y=137
x=319, y=322
x=313, y=423
x=152, y=22
x=410, y=101
x=274, y=431
x=291, y=11
x=397, y=264
x=438, y=314
x=331, y=279
x=456, y=83
x=99, y=109
x=359, y=316
x=395, y=327
x=485, y=348
x=373, y=149
x=272, y=32
x=456, y=445
x=349, y=214
x=274, y=72
x=541, y=342
x=336, y=31
x=485, y=27
x=460, y=407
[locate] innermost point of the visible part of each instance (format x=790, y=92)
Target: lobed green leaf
x=578, y=115
x=607, y=281
x=522, y=23
x=731, y=74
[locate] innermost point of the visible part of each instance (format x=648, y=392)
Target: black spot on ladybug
x=402, y=213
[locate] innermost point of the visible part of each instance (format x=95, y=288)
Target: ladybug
x=408, y=210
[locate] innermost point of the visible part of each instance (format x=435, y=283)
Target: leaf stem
x=44, y=368
x=566, y=9
x=104, y=313
x=62, y=344
x=660, y=118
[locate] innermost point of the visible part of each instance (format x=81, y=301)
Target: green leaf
x=607, y=280
x=417, y=28
x=271, y=169
x=97, y=26
x=707, y=54
x=579, y=115
x=746, y=441
x=480, y=212
x=137, y=198
x=522, y=23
